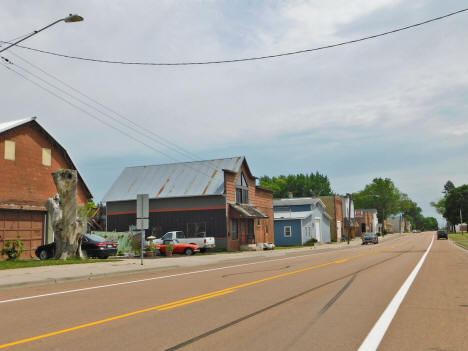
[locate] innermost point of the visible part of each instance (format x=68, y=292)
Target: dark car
x=370, y=238
x=442, y=234
x=94, y=246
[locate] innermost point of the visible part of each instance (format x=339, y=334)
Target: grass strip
x=13, y=264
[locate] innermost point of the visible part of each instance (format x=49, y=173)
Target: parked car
x=180, y=248
x=94, y=246
x=204, y=242
x=268, y=246
x=370, y=238
x=442, y=234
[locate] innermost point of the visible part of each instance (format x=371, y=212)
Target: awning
x=248, y=211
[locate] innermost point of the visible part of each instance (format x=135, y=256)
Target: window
x=242, y=190
x=287, y=231
x=9, y=150
x=282, y=208
x=234, y=233
x=258, y=222
x=180, y=235
x=194, y=228
x=46, y=157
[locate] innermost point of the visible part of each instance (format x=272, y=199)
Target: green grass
x=460, y=239
x=12, y=264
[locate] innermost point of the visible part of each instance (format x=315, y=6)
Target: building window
x=46, y=157
x=282, y=208
x=242, y=190
x=234, y=233
x=195, y=229
x=258, y=222
x=9, y=150
x=287, y=231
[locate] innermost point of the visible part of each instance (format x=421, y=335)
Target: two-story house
x=28, y=156
x=216, y=197
x=297, y=220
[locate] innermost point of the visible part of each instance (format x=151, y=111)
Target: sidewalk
x=25, y=277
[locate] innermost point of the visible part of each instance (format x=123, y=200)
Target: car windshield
x=95, y=237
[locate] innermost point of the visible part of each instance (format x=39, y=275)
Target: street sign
x=142, y=218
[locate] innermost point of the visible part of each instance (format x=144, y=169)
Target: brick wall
x=25, y=181
x=264, y=202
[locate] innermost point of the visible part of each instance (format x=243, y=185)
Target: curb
x=92, y=276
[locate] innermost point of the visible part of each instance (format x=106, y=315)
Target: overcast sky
x=394, y=106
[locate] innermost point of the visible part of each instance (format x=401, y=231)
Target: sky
x=395, y=106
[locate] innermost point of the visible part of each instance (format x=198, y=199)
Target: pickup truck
x=203, y=242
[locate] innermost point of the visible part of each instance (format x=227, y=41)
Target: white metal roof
x=12, y=124
x=199, y=178
x=292, y=215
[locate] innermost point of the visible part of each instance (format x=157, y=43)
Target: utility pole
x=350, y=198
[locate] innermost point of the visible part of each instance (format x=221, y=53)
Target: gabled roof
x=298, y=201
x=13, y=124
x=292, y=215
x=199, y=178
x=6, y=126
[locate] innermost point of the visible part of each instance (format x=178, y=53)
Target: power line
x=166, y=142
x=244, y=59
x=95, y=117
x=142, y=130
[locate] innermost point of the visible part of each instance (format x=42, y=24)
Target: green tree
x=456, y=201
x=300, y=185
x=412, y=211
x=381, y=194
x=430, y=223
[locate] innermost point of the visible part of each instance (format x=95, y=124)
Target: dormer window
x=242, y=190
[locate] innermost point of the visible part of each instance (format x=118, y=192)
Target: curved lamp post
x=68, y=19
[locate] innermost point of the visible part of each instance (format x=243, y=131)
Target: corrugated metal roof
x=12, y=124
x=293, y=215
x=297, y=201
x=184, y=179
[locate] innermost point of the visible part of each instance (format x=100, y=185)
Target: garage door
x=29, y=225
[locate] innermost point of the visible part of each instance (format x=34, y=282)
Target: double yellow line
x=190, y=300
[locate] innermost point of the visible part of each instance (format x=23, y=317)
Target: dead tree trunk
x=68, y=228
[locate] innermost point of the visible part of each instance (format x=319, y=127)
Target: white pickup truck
x=202, y=241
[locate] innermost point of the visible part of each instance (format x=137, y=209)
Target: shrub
x=311, y=242
x=379, y=234
x=13, y=249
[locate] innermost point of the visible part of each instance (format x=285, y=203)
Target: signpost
x=142, y=219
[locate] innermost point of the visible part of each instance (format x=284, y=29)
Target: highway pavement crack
x=279, y=303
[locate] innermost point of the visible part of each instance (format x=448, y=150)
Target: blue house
x=297, y=220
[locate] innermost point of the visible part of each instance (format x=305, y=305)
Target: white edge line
x=375, y=336
x=155, y=278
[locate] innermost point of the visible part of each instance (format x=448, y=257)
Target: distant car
x=180, y=248
x=94, y=246
x=442, y=234
x=370, y=238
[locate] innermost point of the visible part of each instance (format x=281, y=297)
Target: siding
x=296, y=233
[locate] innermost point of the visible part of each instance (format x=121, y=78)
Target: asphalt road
x=311, y=301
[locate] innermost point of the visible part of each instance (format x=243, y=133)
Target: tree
x=300, y=185
x=68, y=226
x=430, y=223
x=448, y=187
x=382, y=195
x=456, y=201
x=412, y=211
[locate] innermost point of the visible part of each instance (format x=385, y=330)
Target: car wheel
x=188, y=251
x=103, y=257
x=202, y=250
x=43, y=255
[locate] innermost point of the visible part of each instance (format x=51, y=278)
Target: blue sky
x=391, y=107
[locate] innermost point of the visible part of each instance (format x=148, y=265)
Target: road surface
x=309, y=301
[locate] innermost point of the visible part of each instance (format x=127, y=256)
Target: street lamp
x=69, y=19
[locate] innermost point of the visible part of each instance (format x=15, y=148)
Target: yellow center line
x=190, y=300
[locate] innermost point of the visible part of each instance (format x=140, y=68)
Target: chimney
x=290, y=195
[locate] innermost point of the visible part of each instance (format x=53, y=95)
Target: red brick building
x=216, y=197
x=28, y=156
